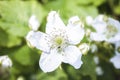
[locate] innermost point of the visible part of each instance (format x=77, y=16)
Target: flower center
x=105, y=18
x=111, y=31
x=58, y=40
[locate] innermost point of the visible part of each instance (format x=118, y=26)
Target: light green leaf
x=15, y=15
x=98, y=2
x=117, y=9
x=69, y=8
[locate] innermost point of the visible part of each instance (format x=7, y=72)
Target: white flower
x=99, y=71
x=107, y=29
x=33, y=23
x=116, y=61
x=58, y=43
x=5, y=61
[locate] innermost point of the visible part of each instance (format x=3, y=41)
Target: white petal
x=50, y=62
x=72, y=55
x=89, y=20
x=97, y=37
x=34, y=23
x=117, y=46
x=114, y=39
x=53, y=21
x=78, y=63
x=116, y=61
x=99, y=24
x=115, y=23
x=38, y=40
x=75, y=31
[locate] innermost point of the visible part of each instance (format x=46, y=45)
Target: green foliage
x=68, y=8
x=7, y=40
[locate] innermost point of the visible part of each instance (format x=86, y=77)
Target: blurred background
x=14, y=17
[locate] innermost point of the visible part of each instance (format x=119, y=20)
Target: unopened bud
x=20, y=78
x=88, y=31
x=33, y=23
x=84, y=48
x=5, y=61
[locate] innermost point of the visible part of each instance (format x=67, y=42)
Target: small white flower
x=96, y=59
x=116, y=61
x=5, y=61
x=58, y=43
x=99, y=71
x=33, y=23
x=107, y=29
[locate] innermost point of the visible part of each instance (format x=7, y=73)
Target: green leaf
x=55, y=75
x=72, y=73
x=98, y=2
x=24, y=56
x=69, y=8
x=117, y=10
x=15, y=29
x=14, y=18
x=7, y=40
x=108, y=71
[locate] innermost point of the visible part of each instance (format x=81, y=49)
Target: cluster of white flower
x=106, y=29
x=62, y=43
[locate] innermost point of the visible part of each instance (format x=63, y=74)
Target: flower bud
x=84, y=48
x=33, y=23
x=5, y=61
